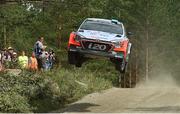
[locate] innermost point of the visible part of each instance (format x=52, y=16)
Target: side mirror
x=75, y=26
x=130, y=33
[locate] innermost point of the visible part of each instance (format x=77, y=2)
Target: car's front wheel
x=75, y=58
x=121, y=66
x=71, y=57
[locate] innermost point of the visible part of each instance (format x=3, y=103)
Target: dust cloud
x=161, y=80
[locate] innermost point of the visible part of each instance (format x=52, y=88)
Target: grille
x=97, y=46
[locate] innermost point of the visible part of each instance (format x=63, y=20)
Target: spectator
x=14, y=60
x=33, y=64
x=38, y=48
x=6, y=58
x=45, y=59
x=51, y=58
x=23, y=61
x=10, y=58
x=14, y=57
x=10, y=52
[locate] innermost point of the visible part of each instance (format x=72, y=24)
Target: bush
x=75, y=83
x=44, y=92
x=20, y=92
x=14, y=102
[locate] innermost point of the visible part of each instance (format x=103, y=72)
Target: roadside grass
x=52, y=90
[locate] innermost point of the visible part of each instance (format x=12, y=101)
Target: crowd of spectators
x=40, y=59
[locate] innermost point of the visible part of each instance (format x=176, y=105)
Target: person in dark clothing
x=38, y=48
x=51, y=58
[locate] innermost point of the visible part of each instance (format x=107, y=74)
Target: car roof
x=104, y=20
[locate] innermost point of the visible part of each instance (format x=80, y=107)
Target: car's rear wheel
x=128, y=79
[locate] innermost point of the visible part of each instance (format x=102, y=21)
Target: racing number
x=97, y=46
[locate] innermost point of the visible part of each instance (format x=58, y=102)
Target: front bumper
x=111, y=54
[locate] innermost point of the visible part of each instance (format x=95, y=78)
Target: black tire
x=127, y=79
x=79, y=60
x=78, y=64
x=71, y=57
x=75, y=58
x=121, y=66
x=122, y=82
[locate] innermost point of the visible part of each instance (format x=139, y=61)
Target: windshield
x=104, y=27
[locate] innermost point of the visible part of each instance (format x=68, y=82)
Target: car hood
x=99, y=35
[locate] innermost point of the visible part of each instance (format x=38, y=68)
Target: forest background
x=154, y=23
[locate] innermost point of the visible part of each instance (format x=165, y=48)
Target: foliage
x=11, y=101
x=32, y=92
x=155, y=24
x=57, y=19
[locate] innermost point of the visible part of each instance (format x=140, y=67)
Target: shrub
x=47, y=91
x=25, y=89
x=14, y=102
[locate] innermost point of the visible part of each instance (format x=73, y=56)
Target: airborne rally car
x=100, y=37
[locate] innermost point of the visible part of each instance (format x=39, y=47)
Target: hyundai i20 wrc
x=100, y=37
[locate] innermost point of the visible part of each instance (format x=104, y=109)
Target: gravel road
x=159, y=97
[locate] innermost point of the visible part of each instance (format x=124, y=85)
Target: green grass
x=52, y=90
x=48, y=91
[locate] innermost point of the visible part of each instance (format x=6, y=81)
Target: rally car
x=100, y=37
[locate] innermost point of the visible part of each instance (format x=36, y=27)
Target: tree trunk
x=130, y=75
x=136, y=65
x=5, y=36
x=59, y=41
x=59, y=31
x=147, y=63
x=147, y=49
x=147, y=40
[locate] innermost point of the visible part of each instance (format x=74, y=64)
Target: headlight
x=117, y=44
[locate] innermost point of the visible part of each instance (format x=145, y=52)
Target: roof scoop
x=118, y=35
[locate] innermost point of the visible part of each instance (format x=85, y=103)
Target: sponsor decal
x=95, y=46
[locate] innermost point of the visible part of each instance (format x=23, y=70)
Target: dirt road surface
x=159, y=97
